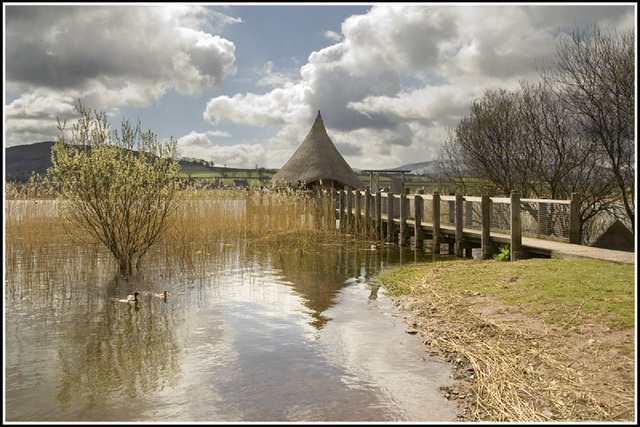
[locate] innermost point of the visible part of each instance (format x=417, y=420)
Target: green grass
x=557, y=290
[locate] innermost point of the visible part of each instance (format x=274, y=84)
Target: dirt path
x=512, y=367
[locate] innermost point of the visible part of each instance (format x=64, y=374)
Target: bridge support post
x=485, y=207
x=516, y=228
x=341, y=210
x=349, y=215
x=332, y=206
x=404, y=208
x=417, y=231
x=390, y=214
x=378, y=215
x=459, y=214
x=436, y=223
x=357, y=219
x=452, y=220
x=367, y=212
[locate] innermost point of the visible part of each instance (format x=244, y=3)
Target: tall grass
x=37, y=231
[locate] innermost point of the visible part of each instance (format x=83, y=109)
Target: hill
x=429, y=168
x=422, y=168
x=22, y=160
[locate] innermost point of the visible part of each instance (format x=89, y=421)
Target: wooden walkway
x=465, y=223
x=546, y=248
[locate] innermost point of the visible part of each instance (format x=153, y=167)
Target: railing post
x=516, y=227
x=357, y=221
x=451, y=220
x=418, y=209
x=402, y=240
x=341, y=210
x=436, y=223
x=349, y=216
x=390, y=214
x=378, y=214
x=459, y=216
x=574, y=219
x=332, y=207
x=485, y=207
x=367, y=211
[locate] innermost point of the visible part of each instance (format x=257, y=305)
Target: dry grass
x=512, y=373
x=204, y=221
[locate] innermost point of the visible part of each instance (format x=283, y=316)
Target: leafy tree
x=115, y=195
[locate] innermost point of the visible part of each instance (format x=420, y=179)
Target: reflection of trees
x=119, y=349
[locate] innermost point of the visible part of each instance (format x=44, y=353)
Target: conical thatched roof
x=317, y=159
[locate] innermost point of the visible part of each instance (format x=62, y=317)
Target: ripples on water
x=262, y=332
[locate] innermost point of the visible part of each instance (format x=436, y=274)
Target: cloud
x=269, y=77
x=399, y=75
x=73, y=47
x=280, y=106
x=218, y=133
x=332, y=35
x=110, y=56
x=197, y=145
x=33, y=117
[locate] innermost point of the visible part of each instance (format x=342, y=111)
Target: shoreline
x=510, y=365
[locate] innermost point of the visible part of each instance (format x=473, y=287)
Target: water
x=265, y=331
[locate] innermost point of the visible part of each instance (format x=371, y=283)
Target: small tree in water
x=115, y=195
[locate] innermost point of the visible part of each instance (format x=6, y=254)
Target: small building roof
x=317, y=159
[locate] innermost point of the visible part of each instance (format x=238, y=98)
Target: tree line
x=572, y=131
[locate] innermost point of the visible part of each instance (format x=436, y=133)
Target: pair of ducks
x=134, y=297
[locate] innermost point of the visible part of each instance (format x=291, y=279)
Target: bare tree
x=489, y=143
x=594, y=74
x=564, y=159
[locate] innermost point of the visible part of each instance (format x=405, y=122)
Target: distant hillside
x=422, y=168
x=429, y=168
x=22, y=160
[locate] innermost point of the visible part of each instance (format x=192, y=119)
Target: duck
x=130, y=298
x=163, y=295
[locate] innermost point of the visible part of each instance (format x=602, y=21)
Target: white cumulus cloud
x=399, y=75
x=109, y=56
x=197, y=145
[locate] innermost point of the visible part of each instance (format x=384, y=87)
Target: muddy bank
x=511, y=366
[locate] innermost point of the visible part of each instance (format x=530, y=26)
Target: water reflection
x=117, y=350
x=252, y=331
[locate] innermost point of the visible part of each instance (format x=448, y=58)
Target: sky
x=241, y=84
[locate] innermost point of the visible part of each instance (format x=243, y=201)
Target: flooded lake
x=265, y=330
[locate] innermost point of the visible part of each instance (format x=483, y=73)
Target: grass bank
x=532, y=340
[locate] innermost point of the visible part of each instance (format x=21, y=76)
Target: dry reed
x=509, y=374
x=206, y=219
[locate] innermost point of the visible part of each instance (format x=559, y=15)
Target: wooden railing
x=462, y=222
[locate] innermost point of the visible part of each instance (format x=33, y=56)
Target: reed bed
x=205, y=221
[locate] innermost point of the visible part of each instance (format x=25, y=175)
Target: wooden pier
x=529, y=227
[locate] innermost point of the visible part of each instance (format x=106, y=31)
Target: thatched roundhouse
x=317, y=164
